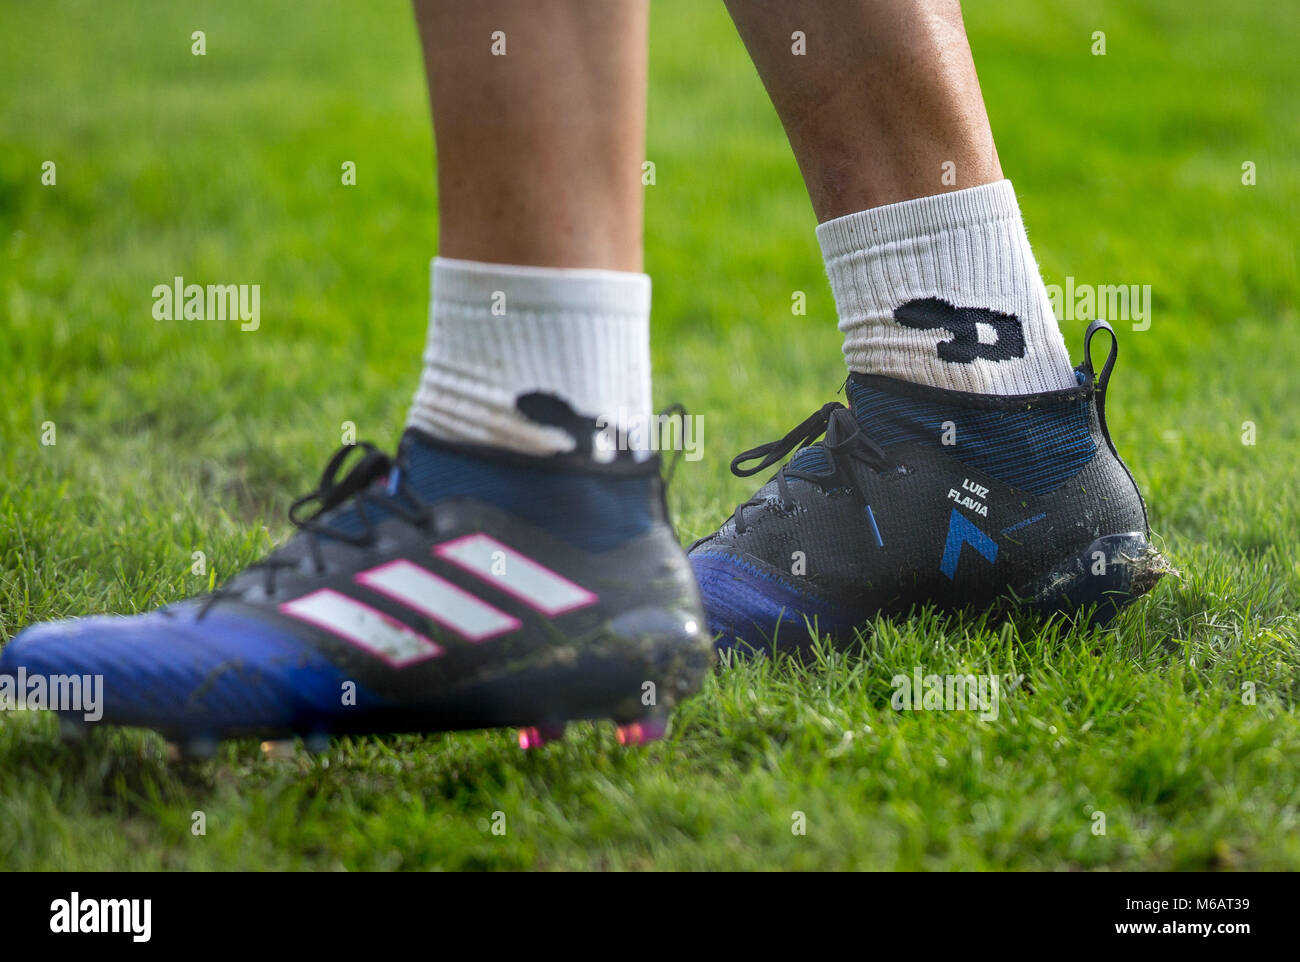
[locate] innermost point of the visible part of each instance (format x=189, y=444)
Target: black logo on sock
x=932, y=314
x=554, y=411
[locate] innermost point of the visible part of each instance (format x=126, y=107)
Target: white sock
x=966, y=249
x=497, y=331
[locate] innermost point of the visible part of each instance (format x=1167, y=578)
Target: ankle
x=1034, y=442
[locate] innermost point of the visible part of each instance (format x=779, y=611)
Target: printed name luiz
x=977, y=491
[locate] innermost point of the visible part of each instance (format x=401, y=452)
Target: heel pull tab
x=1103, y=381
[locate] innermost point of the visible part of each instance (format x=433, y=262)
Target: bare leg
x=539, y=150
x=538, y=301
x=884, y=96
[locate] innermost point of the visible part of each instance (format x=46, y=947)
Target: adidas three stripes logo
x=438, y=599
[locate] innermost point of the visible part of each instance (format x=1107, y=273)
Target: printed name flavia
x=969, y=501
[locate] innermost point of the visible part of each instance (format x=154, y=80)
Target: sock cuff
x=567, y=290
x=500, y=331
x=923, y=216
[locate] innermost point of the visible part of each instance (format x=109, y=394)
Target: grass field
x=176, y=437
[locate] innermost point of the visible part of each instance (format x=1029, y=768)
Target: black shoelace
x=358, y=485
x=848, y=450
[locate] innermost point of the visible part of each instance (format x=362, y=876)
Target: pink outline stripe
x=508, y=622
x=287, y=608
x=444, y=550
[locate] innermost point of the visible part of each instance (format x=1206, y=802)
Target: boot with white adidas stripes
x=451, y=587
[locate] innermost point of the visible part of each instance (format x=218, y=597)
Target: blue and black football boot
x=453, y=587
x=921, y=496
